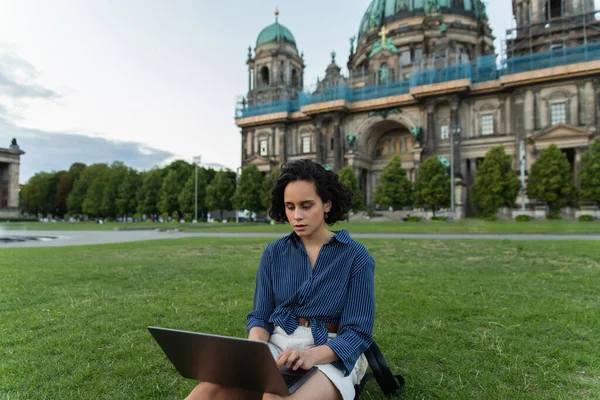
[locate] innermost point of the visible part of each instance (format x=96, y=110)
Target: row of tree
x=496, y=184
x=111, y=191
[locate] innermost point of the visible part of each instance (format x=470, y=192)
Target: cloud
x=17, y=79
x=55, y=151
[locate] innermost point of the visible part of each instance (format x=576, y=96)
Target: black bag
x=389, y=383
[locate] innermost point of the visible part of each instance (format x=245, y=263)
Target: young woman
x=314, y=300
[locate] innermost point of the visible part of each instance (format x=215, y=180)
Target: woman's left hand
x=295, y=359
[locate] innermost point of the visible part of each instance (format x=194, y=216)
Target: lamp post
x=197, y=160
x=522, y=157
x=455, y=131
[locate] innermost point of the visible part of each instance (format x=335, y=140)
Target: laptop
x=228, y=361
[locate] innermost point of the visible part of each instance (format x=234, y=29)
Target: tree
x=169, y=192
x=220, y=192
x=31, y=193
x=395, y=189
x=432, y=188
x=268, y=183
x=81, y=186
x=40, y=192
x=148, y=196
x=187, y=195
x=126, y=201
x=93, y=198
x=496, y=184
x=76, y=169
x=114, y=178
x=590, y=173
x=348, y=178
x=551, y=181
x=64, y=187
x=182, y=169
x=249, y=193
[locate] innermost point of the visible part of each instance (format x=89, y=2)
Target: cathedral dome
x=381, y=12
x=275, y=33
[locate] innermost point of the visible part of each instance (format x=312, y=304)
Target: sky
x=147, y=81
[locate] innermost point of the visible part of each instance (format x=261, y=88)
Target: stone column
x=528, y=117
x=455, y=123
x=574, y=111
x=254, y=143
x=244, y=134
x=13, y=185
x=544, y=108
x=508, y=119
x=249, y=79
x=283, y=140
x=272, y=151
x=338, y=144
x=589, y=103
x=320, y=153
x=429, y=139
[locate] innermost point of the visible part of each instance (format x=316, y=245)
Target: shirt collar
x=341, y=236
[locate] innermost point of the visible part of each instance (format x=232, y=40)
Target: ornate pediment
x=258, y=160
x=561, y=132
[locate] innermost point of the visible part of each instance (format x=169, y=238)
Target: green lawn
x=459, y=319
x=466, y=226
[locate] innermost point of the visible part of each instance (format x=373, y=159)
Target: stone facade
x=539, y=106
x=10, y=159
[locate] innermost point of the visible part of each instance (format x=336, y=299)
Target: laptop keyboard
x=290, y=379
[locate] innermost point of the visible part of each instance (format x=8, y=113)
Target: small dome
x=275, y=33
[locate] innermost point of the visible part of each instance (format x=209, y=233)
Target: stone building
x=10, y=160
x=422, y=72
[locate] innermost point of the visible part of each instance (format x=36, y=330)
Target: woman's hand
x=295, y=359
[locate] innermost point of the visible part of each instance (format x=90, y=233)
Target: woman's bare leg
x=318, y=387
x=211, y=391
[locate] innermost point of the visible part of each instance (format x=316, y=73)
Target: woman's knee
x=204, y=390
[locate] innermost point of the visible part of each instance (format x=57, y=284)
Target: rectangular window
x=405, y=58
x=264, y=148
x=559, y=113
x=306, y=144
x=487, y=124
x=418, y=55
x=444, y=132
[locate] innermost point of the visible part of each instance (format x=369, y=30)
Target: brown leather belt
x=331, y=328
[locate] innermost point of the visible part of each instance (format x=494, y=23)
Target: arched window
x=264, y=75
x=294, y=78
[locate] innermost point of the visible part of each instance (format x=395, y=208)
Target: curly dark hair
x=329, y=188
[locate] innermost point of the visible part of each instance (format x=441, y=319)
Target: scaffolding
x=552, y=34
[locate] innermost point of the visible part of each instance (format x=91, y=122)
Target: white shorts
x=302, y=339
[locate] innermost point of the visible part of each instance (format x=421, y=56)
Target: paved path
x=76, y=238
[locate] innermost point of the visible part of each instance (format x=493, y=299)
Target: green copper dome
x=381, y=12
x=275, y=33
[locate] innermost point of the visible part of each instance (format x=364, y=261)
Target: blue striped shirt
x=339, y=290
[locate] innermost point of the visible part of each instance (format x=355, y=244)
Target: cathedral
x=423, y=80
